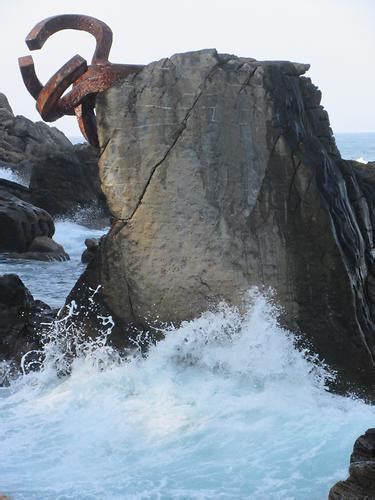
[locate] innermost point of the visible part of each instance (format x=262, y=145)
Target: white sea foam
x=225, y=406
x=361, y=160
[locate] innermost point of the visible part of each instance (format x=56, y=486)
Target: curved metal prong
x=85, y=115
x=48, y=100
x=101, y=31
x=29, y=77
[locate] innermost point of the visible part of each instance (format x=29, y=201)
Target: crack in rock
x=179, y=133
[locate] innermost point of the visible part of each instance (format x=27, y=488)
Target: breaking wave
x=225, y=406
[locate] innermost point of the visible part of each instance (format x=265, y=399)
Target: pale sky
x=337, y=37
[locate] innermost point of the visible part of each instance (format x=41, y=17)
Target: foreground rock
x=63, y=177
x=26, y=231
x=360, y=484
x=20, y=327
x=221, y=173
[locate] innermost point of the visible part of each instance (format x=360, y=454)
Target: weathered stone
x=360, y=484
x=222, y=173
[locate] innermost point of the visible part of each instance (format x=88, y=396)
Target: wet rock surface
x=222, y=173
x=20, y=326
x=360, y=484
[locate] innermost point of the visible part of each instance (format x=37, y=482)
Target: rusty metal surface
x=52, y=100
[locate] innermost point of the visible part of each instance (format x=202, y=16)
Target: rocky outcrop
x=92, y=247
x=64, y=181
x=222, y=173
x=20, y=326
x=62, y=176
x=360, y=484
x=26, y=231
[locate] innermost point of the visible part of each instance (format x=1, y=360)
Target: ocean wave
x=225, y=406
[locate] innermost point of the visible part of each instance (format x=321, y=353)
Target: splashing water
x=224, y=407
x=10, y=175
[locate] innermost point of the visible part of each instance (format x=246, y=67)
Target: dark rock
x=65, y=181
x=360, y=484
x=18, y=190
x=20, y=324
x=92, y=246
x=62, y=176
x=222, y=173
x=21, y=223
x=26, y=231
x=45, y=249
x=23, y=143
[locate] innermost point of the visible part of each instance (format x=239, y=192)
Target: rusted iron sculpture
x=86, y=80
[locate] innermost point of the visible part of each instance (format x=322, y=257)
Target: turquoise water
x=225, y=407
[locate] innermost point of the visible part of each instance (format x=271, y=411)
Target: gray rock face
x=62, y=176
x=222, y=173
x=360, y=484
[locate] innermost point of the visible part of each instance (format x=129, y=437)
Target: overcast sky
x=337, y=37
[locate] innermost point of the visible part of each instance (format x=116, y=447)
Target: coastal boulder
x=20, y=223
x=360, y=484
x=26, y=231
x=222, y=173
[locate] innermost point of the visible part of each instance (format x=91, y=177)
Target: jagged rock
x=20, y=325
x=62, y=176
x=221, y=173
x=360, y=484
x=92, y=246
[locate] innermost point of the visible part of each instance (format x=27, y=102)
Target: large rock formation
x=62, y=176
x=222, y=173
x=360, y=484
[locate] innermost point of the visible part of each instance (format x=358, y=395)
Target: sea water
x=224, y=407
